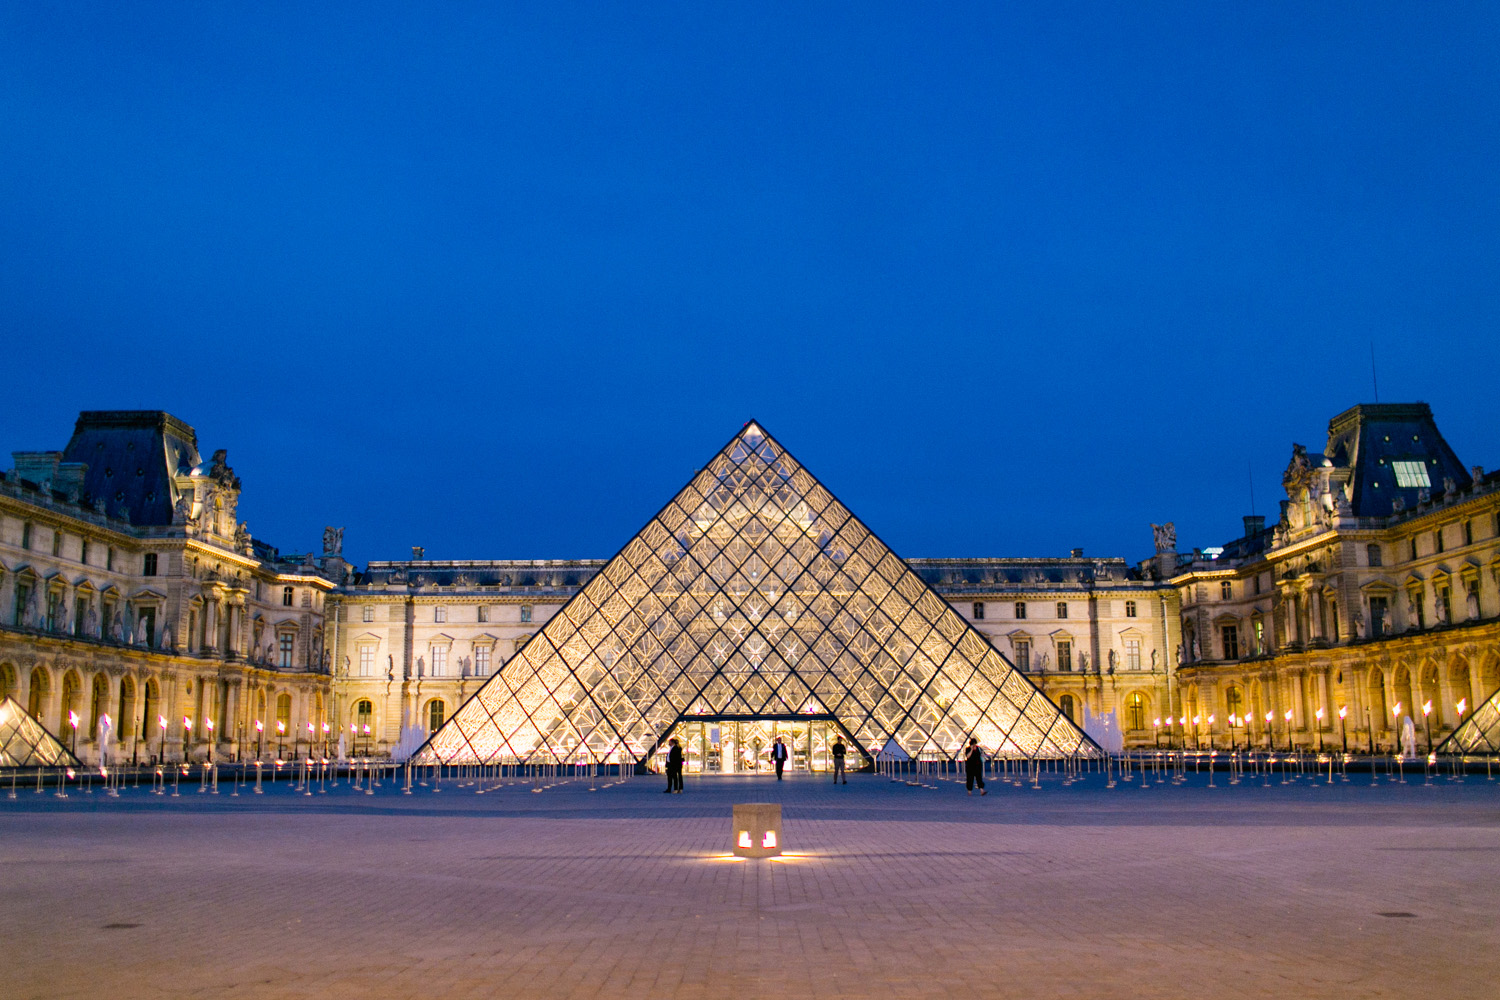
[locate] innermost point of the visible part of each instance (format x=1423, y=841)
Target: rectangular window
x=1062, y=609
x=439, y=614
x=51, y=612
x=1020, y=609
x=148, y=564
x=1419, y=613
x=1260, y=637
x=526, y=612
x=287, y=595
x=1231, y=637
x=57, y=543
x=482, y=661
x=1129, y=609
x=483, y=612
x=368, y=612
x=1064, y=655
x=1226, y=592
x=1437, y=540
x=1411, y=475
x=80, y=614
x=1414, y=546
x=1445, y=606
x=439, y=660
x=1468, y=532
x=978, y=611
x=1379, y=608
x=83, y=551
x=1023, y=655
x=148, y=616
x=366, y=661
x=109, y=559
x=26, y=535
x=23, y=595
x=1257, y=584
x=1372, y=555
x=1132, y=654
x=284, y=649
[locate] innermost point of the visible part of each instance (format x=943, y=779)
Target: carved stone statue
x=1411, y=613
x=1165, y=536
x=333, y=541
x=1042, y=664
x=242, y=540
x=421, y=667
x=91, y=623
x=1398, y=504
x=140, y=632
x=1195, y=649
x=1153, y=659
x=1450, y=486
x=1083, y=661
x=1114, y=659
x=1359, y=624
x=116, y=627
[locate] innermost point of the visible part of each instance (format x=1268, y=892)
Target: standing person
x=838, y=760
x=674, y=767
x=778, y=756
x=974, y=766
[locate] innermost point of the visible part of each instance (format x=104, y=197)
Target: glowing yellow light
x=258, y=726
x=769, y=840
x=1319, y=714
x=1463, y=703
x=745, y=838
x=1397, y=710
x=1343, y=711
x=1426, y=707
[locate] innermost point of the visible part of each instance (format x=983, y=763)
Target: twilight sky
x=495, y=279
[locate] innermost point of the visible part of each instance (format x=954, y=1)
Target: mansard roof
x=1370, y=437
x=132, y=456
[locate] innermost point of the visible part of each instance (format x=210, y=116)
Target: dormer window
x=1411, y=475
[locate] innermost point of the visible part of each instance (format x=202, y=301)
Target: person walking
x=674, y=767
x=778, y=756
x=974, y=766
x=839, y=750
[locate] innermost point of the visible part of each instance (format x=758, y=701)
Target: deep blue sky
x=1008, y=279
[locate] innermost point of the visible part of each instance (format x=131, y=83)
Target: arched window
x=36, y=697
x=71, y=689
x=435, y=714
x=150, y=709
x=7, y=681
x=126, y=720
x=98, y=704
x=284, y=712
x=1066, y=704
x=1234, y=701
x=364, y=713
x=1135, y=712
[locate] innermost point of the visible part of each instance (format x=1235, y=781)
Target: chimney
x=37, y=466
x=1254, y=524
x=1075, y=553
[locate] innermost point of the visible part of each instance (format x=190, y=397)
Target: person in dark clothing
x=778, y=756
x=974, y=766
x=839, y=750
x=674, y=767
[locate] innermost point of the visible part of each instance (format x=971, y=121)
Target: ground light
x=756, y=830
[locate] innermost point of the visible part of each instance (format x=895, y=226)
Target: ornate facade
x=1376, y=594
x=129, y=589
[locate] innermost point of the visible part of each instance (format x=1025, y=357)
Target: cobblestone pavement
x=1300, y=890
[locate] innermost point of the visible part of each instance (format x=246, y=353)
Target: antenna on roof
x=1373, y=377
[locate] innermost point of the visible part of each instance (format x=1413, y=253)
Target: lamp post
x=325, y=739
x=1197, y=719
x=209, y=723
x=187, y=736
x=1269, y=745
x=1210, y=733
x=1234, y=720
x=367, y=739
x=260, y=733
x=1396, y=714
x=73, y=721
x=1370, y=729
x=1427, y=722
x=1182, y=722
x=1319, y=716
x=1156, y=727
x=1343, y=730
x=280, y=740
x=1288, y=717
x=310, y=732
x=161, y=750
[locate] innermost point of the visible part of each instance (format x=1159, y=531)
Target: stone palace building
x=139, y=616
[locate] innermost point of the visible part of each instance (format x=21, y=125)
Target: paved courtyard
x=1299, y=890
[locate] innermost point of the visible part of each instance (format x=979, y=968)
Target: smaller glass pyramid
x=25, y=742
x=1480, y=733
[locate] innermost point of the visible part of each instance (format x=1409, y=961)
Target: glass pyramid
x=753, y=593
x=25, y=742
x=1479, y=733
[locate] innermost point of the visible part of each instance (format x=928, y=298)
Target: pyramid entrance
x=753, y=598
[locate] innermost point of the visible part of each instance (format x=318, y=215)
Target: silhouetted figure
x=778, y=756
x=974, y=767
x=839, y=750
x=674, y=767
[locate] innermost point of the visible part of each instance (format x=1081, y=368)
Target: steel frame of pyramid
x=753, y=593
x=1479, y=733
x=25, y=742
